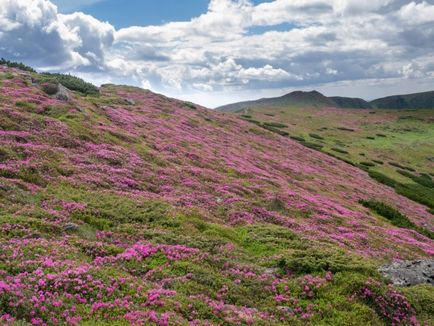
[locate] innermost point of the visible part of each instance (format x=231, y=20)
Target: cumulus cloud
x=236, y=47
x=34, y=31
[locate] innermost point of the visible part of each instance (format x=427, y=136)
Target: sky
x=215, y=52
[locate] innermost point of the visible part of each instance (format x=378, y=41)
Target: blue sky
x=124, y=13
x=219, y=51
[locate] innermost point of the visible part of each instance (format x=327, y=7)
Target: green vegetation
x=316, y=136
x=394, y=216
x=298, y=138
x=73, y=83
x=339, y=150
x=18, y=65
x=379, y=136
x=275, y=125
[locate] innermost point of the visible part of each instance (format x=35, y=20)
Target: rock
x=130, y=101
x=407, y=273
x=70, y=227
x=50, y=88
x=56, y=90
x=62, y=94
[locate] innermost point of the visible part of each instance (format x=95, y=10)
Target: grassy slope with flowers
x=133, y=208
x=397, y=144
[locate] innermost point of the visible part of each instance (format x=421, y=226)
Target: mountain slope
x=424, y=100
x=293, y=99
x=350, y=103
x=311, y=99
x=133, y=208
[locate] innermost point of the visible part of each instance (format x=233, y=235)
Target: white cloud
x=417, y=13
x=233, y=48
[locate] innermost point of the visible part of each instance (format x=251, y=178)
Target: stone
x=62, y=94
x=408, y=273
x=70, y=227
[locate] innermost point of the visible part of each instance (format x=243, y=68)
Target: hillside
x=350, y=103
x=424, y=100
x=394, y=146
x=128, y=207
x=315, y=99
x=293, y=99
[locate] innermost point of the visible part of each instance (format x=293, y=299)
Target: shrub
x=312, y=145
x=389, y=304
x=345, y=129
x=246, y=116
x=275, y=125
x=422, y=179
x=313, y=260
x=73, y=83
x=370, y=137
x=190, y=105
x=339, y=150
x=394, y=216
x=381, y=135
x=316, y=136
x=378, y=162
x=402, y=166
x=417, y=192
x=298, y=138
x=256, y=122
x=18, y=65
x=367, y=163
x=384, y=179
x=26, y=105
x=275, y=130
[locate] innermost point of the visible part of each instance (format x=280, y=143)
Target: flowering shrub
x=388, y=303
x=130, y=207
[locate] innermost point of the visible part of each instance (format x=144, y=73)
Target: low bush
x=18, y=65
x=402, y=166
x=367, y=163
x=422, y=179
x=339, y=150
x=275, y=125
x=313, y=260
x=298, y=138
x=394, y=216
x=345, y=129
x=378, y=162
x=382, y=178
x=370, y=137
x=190, y=105
x=275, y=130
x=417, y=192
x=312, y=145
x=316, y=136
x=25, y=105
x=73, y=83
x=381, y=135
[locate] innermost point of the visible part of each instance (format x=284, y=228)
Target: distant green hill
x=350, y=103
x=293, y=99
x=423, y=100
x=314, y=99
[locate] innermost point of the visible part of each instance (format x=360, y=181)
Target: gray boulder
x=407, y=273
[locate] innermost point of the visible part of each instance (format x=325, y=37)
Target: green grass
x=394, y=216
x=387, y=139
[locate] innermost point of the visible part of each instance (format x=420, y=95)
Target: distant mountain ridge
x=424, y=100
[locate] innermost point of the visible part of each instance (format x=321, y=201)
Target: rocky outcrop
x=407, y=273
